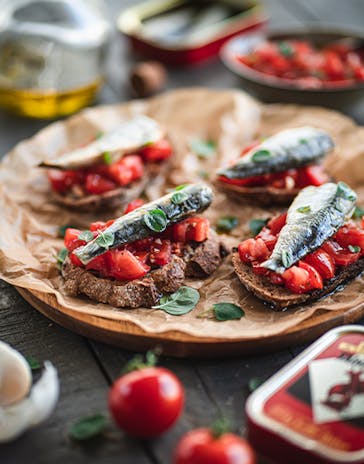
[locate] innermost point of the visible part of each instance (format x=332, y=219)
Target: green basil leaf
x=254, y=383
x=34, y=364
x=156, y=220
x=62, y=230
x=227, y=311
x=105, y=239
x=261, y=155
x=285, y=49
x=88, y=427
x=358, y=213
x=354, y=248
x=286, y=258
x=62, y=255
x=106, y=156
x=98, y=135
x=344, y=191
x=203, y=148
x=304, y=209
x=180, y=302
x=180, y=187
x=303, y=141
x=256, y=225
x=179, y=197
x=86, y=235
x=227, y=223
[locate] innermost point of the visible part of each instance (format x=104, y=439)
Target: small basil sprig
x=287, y=259
x=227, y=224
x=86, y=236
x=179, y=197
x=180, y=302
x=105, y=239
x=203, y=148
x=358, y=213
x=107, y=157
x=62, y=255
x=155, y=220
x=304, y=209
x=354, y=248
x=227, y=311
x=261, y=155
x=88, y=427
x=256, y=225
x=285, y=49
x=344, y=191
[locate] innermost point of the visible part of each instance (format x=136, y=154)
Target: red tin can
x=312, y=410
x=203, y=40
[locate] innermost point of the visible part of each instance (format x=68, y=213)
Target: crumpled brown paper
x=29, y=219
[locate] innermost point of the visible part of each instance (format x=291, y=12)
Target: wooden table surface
x=87, y=368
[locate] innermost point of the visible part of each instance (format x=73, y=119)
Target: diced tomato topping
x=75, y=260
x=71, y=241
x=198, y=229
x=268, y=238
x=260, y=270
x=350, y=234
x=311, y=175
x=315, y=277
x=255, y=181
x=61, y=181
x=135, y=164
x=276, y=224
x=124, y=265
x=98, y=226
x=158, y=151
x=276, y=279
x=253, y=250
x=160, y=252
x=100, y=264
x=341, y=256
x=322, y=262
x=97, y=184
x=297, y=279
x=120, y=174
x=135, y=204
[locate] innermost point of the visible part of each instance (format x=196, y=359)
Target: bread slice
x=199, y=261
x=279, y=297
x=114, y=198
x=265, y=196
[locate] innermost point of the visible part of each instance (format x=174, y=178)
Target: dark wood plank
x=83, y=391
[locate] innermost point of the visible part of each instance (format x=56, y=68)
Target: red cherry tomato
x=71, y=241
x=276, y=224
x=161, y=252
x=96, y=184
x=158, y=151
x=341, y=256
x=137, y=203
x=322, y=262
x=268, y=238
x=253, y=250
x=123, y=265
x=120, y=174
x=100, y=264
x=297, y=279
x=75, y=260
x=201, y=447
x=315, y=277
x=61, y=181
x=198, y=229
x=135, y=164
x=350, y=234
x=146, y=402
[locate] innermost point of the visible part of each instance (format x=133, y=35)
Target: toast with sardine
x=306, y=253
x=275, y=170
x=112, y=169
x=134, y=260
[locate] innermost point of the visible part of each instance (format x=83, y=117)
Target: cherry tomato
x=135, y=164
x=350, y=234
x=71, y=241
x=315, y=277
x=253, y=250
x=100, y=264
x=61, y=181
x=341, y=256
x=123, y=265
x=322, y=262
x=276, y=224
x=158, y=151
x=161, y=252
x=198, y=229
x=297, y=279
x=120, y=174
x=199, y=446
x=268, y=238
x=97, y=184
x=75, y=260
x=137, y=203
x=146, y=402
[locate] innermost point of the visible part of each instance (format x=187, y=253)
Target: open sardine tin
x=312, y=410
x=187, y=31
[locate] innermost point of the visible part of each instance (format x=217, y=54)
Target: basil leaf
x=354, y=248
x=62, y=230
x=88, y=427
x=304, y=209
x=358, y=213
x=344, y=191
x=286, y=258
x=254, y=383
x=180, y=302
x=303, y=141
x=34, y=364
x=261, y=155
x=227, y=311
x=62, y=255
x=179, y=197
x=98, y=135
x=156, y=220
x=106, y=156
x=105, y=239
x=180, y=187
x=256, y=225
x=285, y=49
x=227, y=224
x=203, y=148
x=86, y=235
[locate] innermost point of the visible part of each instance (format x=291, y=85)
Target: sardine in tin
x=312, y=411
x=204, y=38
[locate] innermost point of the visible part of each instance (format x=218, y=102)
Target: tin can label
x=324, y=401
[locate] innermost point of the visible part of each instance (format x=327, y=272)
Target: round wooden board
x=129, y=336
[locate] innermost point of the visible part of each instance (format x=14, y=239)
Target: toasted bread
x=281, y=298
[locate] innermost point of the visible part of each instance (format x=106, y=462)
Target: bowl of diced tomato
x=314, y=65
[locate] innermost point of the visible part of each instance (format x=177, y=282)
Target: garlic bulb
x=24, y=407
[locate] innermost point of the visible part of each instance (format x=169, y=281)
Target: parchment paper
x=29, y=219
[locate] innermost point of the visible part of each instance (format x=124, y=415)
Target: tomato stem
x=141, y=362
x=220, y=426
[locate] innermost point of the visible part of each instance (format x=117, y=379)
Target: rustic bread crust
x=279, y=297
x=114, y=198
x=259, y=195
x=145, y=292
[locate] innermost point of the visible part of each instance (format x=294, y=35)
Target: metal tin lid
x=316, y=402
